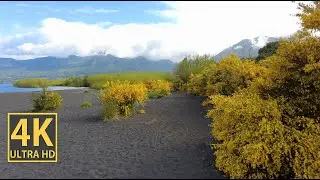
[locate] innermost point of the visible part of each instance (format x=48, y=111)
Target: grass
x=98, y=80
x=38, y=82
x=85, y=104
x=95, y=81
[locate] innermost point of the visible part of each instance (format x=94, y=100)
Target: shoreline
x=10, y=88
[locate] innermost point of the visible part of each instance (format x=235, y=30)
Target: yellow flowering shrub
x=232, y=74
x=257, y=140
x=47, y=101
x=197, y=84
x=266, y=115
x=122, y=97
x=271, y=129
x=250, y=133
x=310, y=15
x=158, y=88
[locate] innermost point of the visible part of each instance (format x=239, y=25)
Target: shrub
x=154, y=95
x=46, y=101
x=75, y=82
x=232, y=74
x=266, y=115
x=158, y=88
x=110, y=111
x=268, y=50
x=178, y=84
x=86, y=104
x=196, y=83
x=122, y=97
x=271, y=129
x=190, y=65
x=310, y=15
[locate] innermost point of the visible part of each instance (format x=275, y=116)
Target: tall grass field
x=95, y=81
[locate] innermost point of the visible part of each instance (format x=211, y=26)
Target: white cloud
x=104, y=24
x=196, y=27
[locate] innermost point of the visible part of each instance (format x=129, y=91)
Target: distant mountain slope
x=247, y=47
x=54, y=67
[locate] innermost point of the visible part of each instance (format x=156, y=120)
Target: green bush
x=154, y=95
x=86, y=104
x=268, y=50
x=189, y=65
x=110, y=111
x=75, y=82
x=46, y=101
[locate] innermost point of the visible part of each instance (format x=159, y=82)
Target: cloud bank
x=192, y=27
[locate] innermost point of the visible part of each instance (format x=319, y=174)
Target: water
x=5, y=88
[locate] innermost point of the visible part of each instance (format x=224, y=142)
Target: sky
x=154, y=29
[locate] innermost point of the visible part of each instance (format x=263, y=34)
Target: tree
x=310, y=15
x=268, y=50
x=190, y=65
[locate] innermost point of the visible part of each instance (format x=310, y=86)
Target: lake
x=5, y=88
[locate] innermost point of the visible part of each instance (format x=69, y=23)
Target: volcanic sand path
x=172, y=140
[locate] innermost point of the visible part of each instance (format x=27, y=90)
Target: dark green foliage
x=75, y=82
x=268, y=50
x=154, y=95
x=188, y=66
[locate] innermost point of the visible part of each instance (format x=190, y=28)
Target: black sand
x=170, y=141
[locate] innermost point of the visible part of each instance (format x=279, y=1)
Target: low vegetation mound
x=46, y=101
x=158, y=88
x=121, y=99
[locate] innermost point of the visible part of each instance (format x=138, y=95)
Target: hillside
x=54, y=67
x=247, y=47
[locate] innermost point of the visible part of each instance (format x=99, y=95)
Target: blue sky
x=154, y=29
x=25, y=15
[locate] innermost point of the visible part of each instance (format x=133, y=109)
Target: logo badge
x=32, y=137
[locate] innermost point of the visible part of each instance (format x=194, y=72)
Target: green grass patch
x=85, y=104
x=154, y=95
x=95, y=81
x=98, y=80
x=38, y=82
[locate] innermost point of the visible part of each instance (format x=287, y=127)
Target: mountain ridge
x=72, y=65
x=247, y=48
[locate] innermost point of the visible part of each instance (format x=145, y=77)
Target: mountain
x=54, y=67
x=247, y=47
